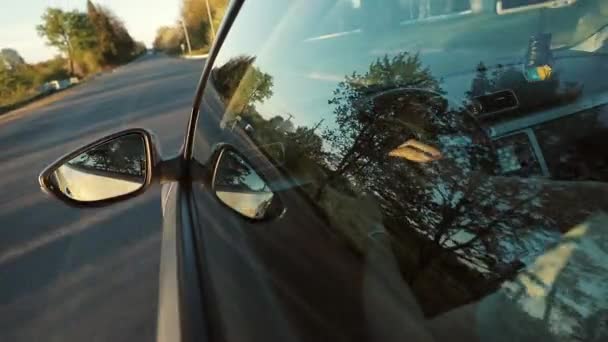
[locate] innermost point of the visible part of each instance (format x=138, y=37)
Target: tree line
x=89, y=42
x=200, y=19
x=19, y=80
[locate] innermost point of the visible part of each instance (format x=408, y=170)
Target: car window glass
x=473, y=140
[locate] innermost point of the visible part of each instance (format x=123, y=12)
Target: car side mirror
x=113, y=168
x=238, y=185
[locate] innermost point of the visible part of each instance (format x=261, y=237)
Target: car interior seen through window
x=454, y=153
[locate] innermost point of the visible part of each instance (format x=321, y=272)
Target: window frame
x=231, y=14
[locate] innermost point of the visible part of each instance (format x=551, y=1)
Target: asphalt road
x=86, y=274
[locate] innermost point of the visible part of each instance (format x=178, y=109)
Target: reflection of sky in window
x=306, y=72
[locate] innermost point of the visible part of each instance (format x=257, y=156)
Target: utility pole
x=210, y=20
x=187, y=37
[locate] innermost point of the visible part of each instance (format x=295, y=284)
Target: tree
x=194, y=15
x=69, y=32
x=168, y=39
x=451, y=202
x=53, y=69
x=196, y=18
x=242, y=85
x=17, y=79
x=364, y=132
x=114, y=43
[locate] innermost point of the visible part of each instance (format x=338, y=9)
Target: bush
x=54, y=69
x=15, y=84
x=87, y=62
x=23, y=81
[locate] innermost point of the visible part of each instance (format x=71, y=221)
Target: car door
x=259, y=273
x=343, y=187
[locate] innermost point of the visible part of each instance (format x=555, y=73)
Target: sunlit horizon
x=141, y=17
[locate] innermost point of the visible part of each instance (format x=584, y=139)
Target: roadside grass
x=33, y=76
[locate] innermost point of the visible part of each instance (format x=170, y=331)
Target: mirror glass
x=241, y=188
x=113, y=169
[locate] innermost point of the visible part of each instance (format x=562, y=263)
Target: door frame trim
x=231, y=15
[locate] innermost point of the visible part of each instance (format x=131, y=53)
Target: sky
x=18, y=22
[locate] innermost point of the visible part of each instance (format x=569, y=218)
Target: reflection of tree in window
x=453, y=209
x=454, y=214
x=241, y=85
x=452, y=204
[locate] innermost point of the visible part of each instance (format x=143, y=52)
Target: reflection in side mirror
x=241, y=188
x=113, y=168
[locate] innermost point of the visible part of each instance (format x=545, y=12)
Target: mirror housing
x=111, y=169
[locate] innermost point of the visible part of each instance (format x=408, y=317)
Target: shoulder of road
x=46, y=98
x=57, y=89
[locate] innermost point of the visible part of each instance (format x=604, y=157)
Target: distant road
x=86, y=275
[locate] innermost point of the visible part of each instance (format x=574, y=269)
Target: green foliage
x=21, y=82
x=114, y=43
x=196, y=19
x=16, y=77
x=89, y=62
x=242, y=84
x=91, y=41
x=195, y=16
x=364, y=131
x=70, y=32
x=14, y=84
x=169, y=39
x=53, y=69
x=140, y=48
x=398, y=100
x=66, y=30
